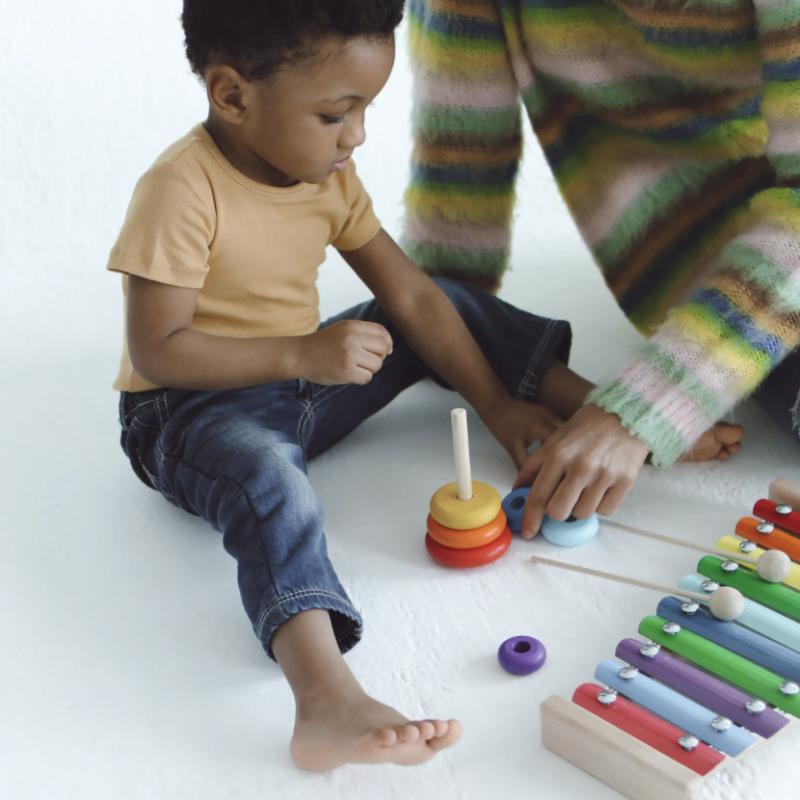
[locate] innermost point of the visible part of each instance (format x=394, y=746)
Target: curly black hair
x=258, y=37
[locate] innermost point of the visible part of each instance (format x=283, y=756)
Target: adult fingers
x=614, y=496
x=591, y=498
x=542, y=490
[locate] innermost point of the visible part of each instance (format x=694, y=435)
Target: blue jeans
x=238, y=457
x=779, y=394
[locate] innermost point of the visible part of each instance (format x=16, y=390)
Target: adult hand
x=517, y=424
x=588, y=465
x=350, y=351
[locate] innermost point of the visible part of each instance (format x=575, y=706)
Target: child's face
x=303, y=123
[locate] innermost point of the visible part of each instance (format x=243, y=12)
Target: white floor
x=127, y=667
x=130, y=671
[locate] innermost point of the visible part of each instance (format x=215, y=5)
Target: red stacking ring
x=474, y=557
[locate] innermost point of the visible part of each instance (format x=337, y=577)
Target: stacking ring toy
x=474, y=557
x=521, y=655
x=572, y=532
x=463, y=540
x=481, y=509
x=514, y=506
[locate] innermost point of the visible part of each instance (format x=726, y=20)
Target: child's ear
x=227, y=90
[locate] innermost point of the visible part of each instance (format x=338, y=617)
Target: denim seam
x=144, y=427
x=153, y=479
x=308, y=414
x=158, y=412
x=121, y=412
x=526, y=388
x=294, y=596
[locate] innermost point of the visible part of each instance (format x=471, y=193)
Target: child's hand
x=588, y=465
x=350, y=351
x=517, y=424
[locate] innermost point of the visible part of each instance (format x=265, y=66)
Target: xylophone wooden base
x=621, y=761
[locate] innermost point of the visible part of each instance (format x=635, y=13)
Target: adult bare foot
x=352, y=728
x=718, y=443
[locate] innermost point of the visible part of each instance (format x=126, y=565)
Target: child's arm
x=413, y=301
x=167, y=352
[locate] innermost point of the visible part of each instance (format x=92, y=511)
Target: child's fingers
x=519, y=453
x=529, y=470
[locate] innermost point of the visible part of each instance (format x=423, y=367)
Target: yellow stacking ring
x=462, y=515
x=466, y=539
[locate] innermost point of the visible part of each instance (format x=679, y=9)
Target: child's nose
x=353, y=135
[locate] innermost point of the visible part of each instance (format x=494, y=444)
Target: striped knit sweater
x=673, y=132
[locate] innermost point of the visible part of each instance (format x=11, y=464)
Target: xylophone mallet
x=725, y=603
x=774, y=566
x=786, y=491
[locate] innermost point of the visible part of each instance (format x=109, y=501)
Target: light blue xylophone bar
x=675, y=708
x=758, y=618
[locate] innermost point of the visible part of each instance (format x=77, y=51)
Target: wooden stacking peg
x=466, y=526
x=465, y=504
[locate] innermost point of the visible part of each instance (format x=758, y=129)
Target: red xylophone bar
x=648, y=728
x=788, y=518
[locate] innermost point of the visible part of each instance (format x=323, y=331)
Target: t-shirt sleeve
x=168, y=228
x=361, y=224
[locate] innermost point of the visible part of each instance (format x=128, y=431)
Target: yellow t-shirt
x=253, y=250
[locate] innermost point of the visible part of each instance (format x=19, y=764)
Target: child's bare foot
x=718, y=443
x=351, y=727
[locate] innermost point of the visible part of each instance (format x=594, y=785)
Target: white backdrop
x=127, y=668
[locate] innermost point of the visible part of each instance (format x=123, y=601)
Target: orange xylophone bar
x=769, y=536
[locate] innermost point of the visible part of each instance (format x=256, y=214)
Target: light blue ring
x=571, y=532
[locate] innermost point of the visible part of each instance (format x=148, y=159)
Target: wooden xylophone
x=698, y=693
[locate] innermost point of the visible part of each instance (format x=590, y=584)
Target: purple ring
x=521, y=655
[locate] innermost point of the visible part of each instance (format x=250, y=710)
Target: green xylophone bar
x=773, y=595
x=745, y=674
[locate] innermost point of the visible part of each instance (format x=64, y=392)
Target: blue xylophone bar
x=746, y=643
x=682, y=712
x=765, y=621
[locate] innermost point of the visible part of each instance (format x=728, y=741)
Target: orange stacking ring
x=464, y=540
x=474, y=557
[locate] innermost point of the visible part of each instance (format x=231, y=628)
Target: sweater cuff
x=643, y=420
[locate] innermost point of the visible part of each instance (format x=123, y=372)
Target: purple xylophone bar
x=703, y=688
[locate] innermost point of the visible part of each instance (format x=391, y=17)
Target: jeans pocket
x=143, y=416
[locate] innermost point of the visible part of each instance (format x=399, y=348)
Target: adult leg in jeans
x=779, y=395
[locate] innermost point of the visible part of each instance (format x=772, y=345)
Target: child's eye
x=331, y=120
